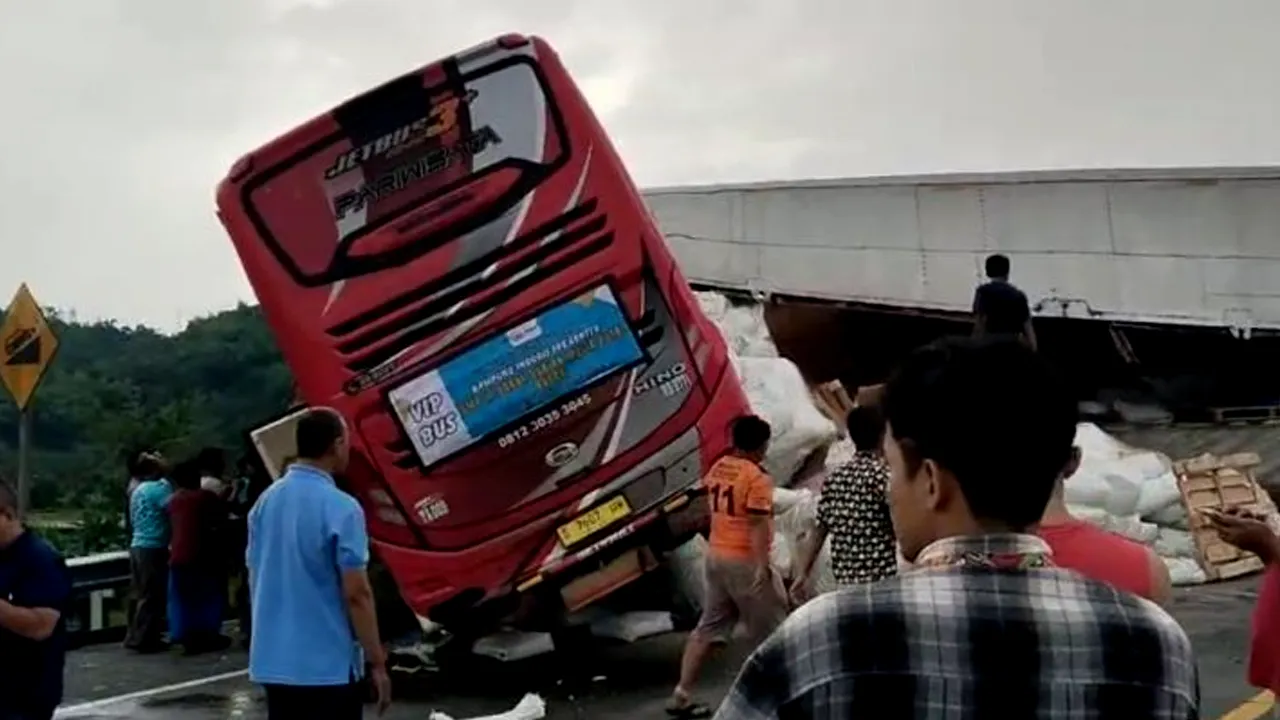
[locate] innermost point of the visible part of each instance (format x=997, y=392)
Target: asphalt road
x=607, y=682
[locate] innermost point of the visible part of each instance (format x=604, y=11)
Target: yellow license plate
x=593, y=521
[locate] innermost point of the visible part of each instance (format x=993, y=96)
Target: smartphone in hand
x=1209, y=512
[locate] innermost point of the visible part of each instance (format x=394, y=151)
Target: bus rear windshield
x=479, y=392
x=403, y=146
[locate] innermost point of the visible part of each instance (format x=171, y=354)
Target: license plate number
x=593, y=521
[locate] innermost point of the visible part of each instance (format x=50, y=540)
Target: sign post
x=27, y=346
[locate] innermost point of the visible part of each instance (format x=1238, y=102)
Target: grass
x=62, y=519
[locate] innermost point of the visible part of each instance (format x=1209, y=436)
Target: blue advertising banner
x=557, y=353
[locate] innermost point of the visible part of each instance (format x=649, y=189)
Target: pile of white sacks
x=1129, y=491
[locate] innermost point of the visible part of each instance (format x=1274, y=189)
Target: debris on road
x=1131, y=491
x=530, y=707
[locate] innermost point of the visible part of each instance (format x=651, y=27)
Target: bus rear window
x=483, y=390
x=479, y=141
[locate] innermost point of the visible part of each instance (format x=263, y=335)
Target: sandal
x=689, y=711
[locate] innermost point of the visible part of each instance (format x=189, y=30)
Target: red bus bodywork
x=408, y=234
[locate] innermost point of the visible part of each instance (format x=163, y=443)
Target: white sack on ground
x=1185, y=571
x=1126, y=490
x=1134, y=493
x=530, y=707
x=1121, y=479
x=1115, y=482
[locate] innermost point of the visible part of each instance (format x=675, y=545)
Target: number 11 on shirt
x=722, y=494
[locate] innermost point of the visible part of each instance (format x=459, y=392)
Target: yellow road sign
x=27, y=345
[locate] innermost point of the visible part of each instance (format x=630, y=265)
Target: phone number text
x=543, y=421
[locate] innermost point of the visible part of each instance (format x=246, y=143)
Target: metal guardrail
x=99, y=598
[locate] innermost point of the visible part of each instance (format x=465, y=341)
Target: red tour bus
x=459, y=263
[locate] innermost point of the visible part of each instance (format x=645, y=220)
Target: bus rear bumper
x=449, y=588
x=499, y=580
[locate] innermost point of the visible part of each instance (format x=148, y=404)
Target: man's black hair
x=316, y=432
x=247, y=463
x=186, y=474
x=149, y=467
x=213, y=461
x=131, y=458
x=994, y=414
x=866, y=427
x=8, y=498
x=751, y=433
x=997, y=266
x=142, y=463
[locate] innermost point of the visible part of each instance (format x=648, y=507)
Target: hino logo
x=562, y=454
x=442, y=119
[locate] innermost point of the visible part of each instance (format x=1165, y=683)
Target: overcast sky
x=120, y=116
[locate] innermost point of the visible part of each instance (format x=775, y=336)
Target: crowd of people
x=967, y=589
x=187, y=536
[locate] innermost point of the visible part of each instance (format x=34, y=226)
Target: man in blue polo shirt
x=314, y=624
x=34, y=591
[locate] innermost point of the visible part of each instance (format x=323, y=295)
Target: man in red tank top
x=1099, y=554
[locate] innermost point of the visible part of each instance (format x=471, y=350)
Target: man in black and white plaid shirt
x=984, y=626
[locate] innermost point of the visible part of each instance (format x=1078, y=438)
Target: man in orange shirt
x=740, y=584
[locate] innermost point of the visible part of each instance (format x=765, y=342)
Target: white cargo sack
x=774, y=386
x=1185, y=571
x=1134, y=493
x=530, y=707
x=795, y=524
x=1159, y=494
x=779, y=394
x=511, y=645
x=742, y=326
x=687, y=563
x=632, y=626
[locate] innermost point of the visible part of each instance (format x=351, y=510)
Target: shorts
x=734, y=595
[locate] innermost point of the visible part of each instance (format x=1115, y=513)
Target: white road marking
x=152, y=692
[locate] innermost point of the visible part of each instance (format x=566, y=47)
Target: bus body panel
x=458, y=262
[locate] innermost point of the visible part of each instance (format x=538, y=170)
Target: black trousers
x=243, y=612
x=149, y=587
x=330, y=702
x=27, y=715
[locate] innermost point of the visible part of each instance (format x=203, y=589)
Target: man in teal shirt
x=149, y=563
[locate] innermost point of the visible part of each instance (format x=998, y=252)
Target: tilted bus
x=459, y=263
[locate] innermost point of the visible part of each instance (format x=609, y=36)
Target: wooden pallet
x=1211, y=481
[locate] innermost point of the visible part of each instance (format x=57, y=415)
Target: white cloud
x=121, y=115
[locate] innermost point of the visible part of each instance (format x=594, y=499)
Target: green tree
x=113, y=387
